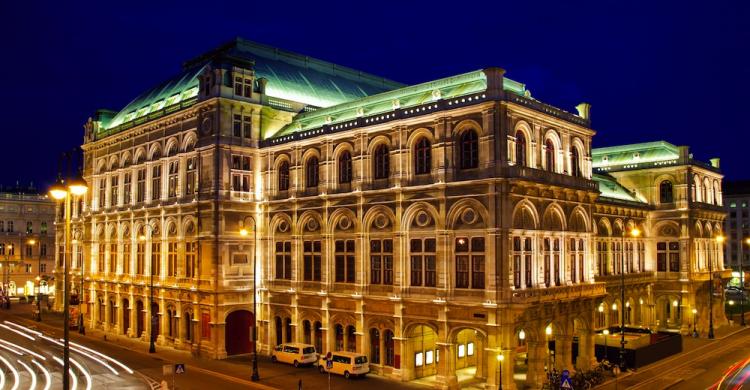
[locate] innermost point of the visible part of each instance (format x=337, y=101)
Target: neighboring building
x=27, y=241
x=430, y=226
x=737, y=205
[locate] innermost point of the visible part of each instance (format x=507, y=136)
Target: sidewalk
x=236, y=370
x=689, y=345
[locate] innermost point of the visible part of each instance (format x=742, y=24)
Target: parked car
x=345, y=363
x=295, y=353
x=734, y=293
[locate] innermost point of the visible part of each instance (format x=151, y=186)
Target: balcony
x=561, y=293
x=551, y=178
x=630, y=278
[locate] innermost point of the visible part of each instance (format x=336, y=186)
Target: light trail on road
x=17, y=332
x=73, y=377
x=47, y=375
x=14, y=372
x=113, y=360
x=32, y=353
x=31, y=372
x=84, y=371
x=23, y=328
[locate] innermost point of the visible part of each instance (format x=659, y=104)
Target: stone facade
x=430, y=227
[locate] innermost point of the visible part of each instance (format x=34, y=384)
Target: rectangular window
x=246, y=127
x=237, y=125
x=345, y=270
x=191, y=252
x=674, y=256
x=29, y=227
x=556, y=257
x=668, y=255
x=381, y=260
x=423, y=262
x=112, y=258
x=470, y=262
x=43, y=268
x=284, y=260
x=100, y=262
x=141, y=186
x=10, y=225
x=29, y=268
x=312, y=260
x=174, y=170
x=547, y=262
x=140, y=259
x=172, y=259
x=190, y=175
x=29, y=251
x=43, y=250
x=243, y=86
x=155, y=258
x=527, y=255
x=102, y=191
x=240, y=176
x=114, y=187
x=156, y=182
x=126, y=258
x=126, y=194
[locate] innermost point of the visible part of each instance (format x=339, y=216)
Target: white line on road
x=84, y=371
x=47, y=376
x=15, y=373
x=32, y=353
x=33, y=374
x=73, y=377
x=17, y=332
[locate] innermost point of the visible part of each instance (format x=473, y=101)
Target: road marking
x=46, y=375
x=14, y=372
x=234, y=379
x=33, y=374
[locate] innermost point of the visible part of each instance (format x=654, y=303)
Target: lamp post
x=605, y=332
x=151, y=344
x=81, y=293
x=731, y=311
x=62, y=191
x=633, y=233
x=742, y=286
x=6, y=277
x=720, y=241
x=31, y=242
x=695, y=318
x=255, y=376
x=500, y=358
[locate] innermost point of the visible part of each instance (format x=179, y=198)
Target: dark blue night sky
x=651, y=70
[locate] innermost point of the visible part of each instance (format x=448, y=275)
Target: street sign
x=179, y=368
x=565, y=382
x=329, y=364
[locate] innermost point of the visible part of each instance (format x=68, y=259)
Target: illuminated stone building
x=27, y=241
x=432, y=226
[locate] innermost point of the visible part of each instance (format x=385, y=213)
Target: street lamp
x=633, y=233
x=500, y=358
x=605, y=332
x=731, y=311
x=742, y=287
x=695, y=313
x=151, y=344
x=62, y=192
x=31, y=242
x=255, y=376
x=720, y=241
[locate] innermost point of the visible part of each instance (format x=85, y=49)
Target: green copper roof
x=610, y=188
x=387, y=102
x=289, y=76
x=633, y=154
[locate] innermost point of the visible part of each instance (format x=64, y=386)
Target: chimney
x=584, y=110
x=262, y=85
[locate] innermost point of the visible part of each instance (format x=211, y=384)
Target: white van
x=295, y=353
x=345, y=363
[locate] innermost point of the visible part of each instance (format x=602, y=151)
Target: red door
x=237, y=333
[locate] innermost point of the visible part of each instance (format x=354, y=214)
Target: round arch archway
x=237, y=333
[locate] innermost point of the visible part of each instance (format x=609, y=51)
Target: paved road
x=202, y=374
x=699, y=368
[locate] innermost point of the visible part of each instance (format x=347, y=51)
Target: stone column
x=536, y=356
x=586, y=357
x=446, y=367
x=564, y=352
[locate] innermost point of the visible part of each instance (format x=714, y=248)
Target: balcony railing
x=561, y=293
x=630, y=278
x=545, y=177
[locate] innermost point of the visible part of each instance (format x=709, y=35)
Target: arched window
x=345, y=168
x=575, y=162
x=311, y=172
x=381, y=162
x=422, y=157
x=469, y=147
x=284, y=176
x=374, y=346
x=520, y=148
x=549, y=155
x=665, y=192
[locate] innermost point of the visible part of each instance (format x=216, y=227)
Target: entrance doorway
x=237, y=337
